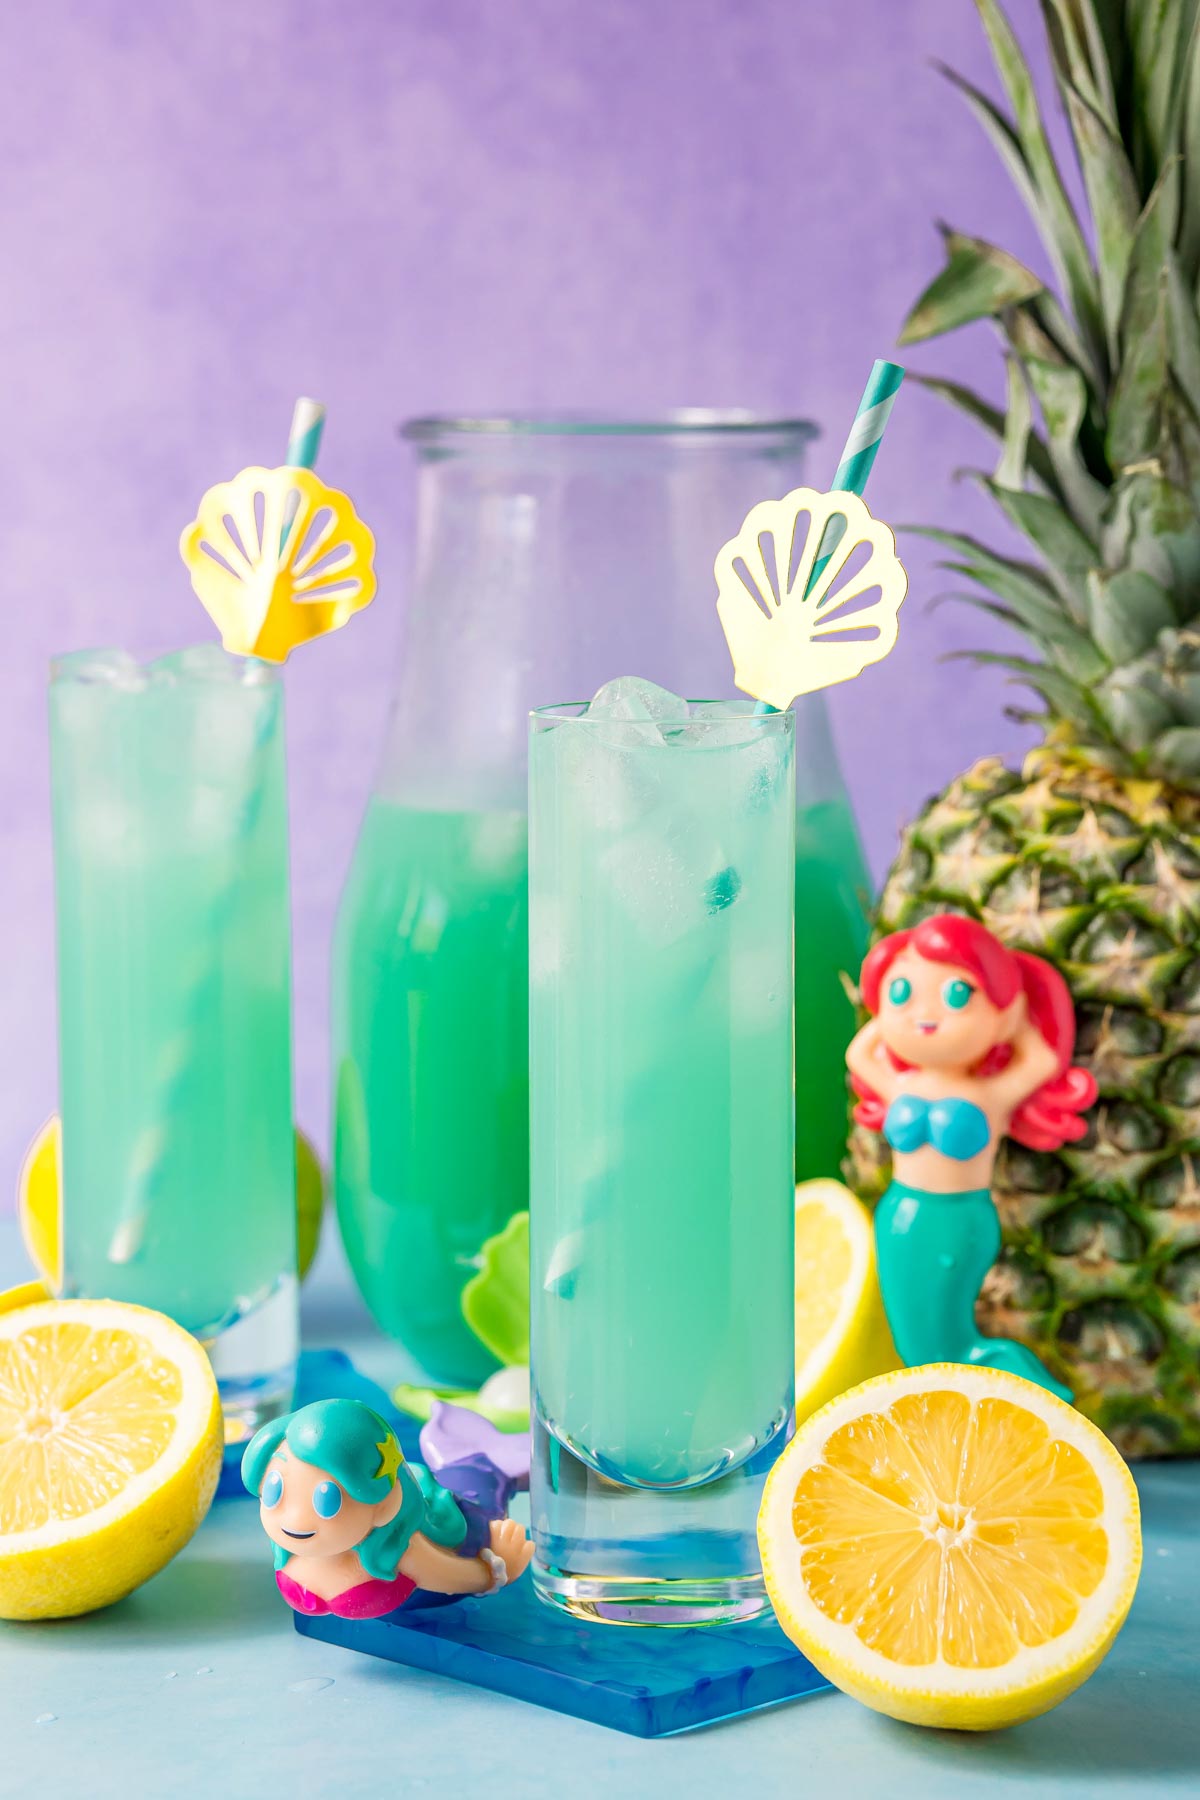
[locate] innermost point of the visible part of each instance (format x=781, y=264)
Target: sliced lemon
x=953, y=1546
x=26, y=1293
x=38, y=1201
x=110, y=1449
x=310, y=1203
x=842, y=1334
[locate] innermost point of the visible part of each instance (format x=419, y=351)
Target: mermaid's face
x=937, y=1016
x=304, y=1510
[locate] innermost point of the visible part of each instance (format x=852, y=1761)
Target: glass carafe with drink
x=549, y=553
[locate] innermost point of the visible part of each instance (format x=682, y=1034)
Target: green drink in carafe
x=432, y=1088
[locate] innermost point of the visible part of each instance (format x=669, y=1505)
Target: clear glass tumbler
x=550, y=555
x=661, y=890
x=174, y=978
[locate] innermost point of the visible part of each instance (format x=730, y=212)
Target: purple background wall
x=414, y=205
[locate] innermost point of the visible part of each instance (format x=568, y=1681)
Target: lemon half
x=842, y=1334
x=953, y=1546
x=110, y=1449
x=38, y=1201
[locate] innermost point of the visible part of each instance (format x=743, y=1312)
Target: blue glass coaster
x=647, y=1682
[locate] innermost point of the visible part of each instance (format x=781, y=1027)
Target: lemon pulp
x=987, y=1528
x=952, y=1545
x=81, y=1413
x=110, y=1449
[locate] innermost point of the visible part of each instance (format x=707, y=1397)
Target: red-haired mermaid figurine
x=969, y=1042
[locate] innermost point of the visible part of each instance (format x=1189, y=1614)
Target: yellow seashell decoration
x=277, y=558
x=789, y=604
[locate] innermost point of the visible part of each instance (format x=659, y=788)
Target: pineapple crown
x=1099, y=465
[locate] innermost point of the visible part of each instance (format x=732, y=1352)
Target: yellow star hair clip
x=277, y=558
x=792, y=596
x=390, y=1458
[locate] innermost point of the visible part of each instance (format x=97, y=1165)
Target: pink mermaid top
x=367, y=1600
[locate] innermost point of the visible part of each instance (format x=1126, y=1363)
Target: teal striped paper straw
x=304, y=440
x=870, y=420
x=308, y=422
x=857, y=459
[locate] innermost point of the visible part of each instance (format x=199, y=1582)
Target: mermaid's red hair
x=1050, y=1117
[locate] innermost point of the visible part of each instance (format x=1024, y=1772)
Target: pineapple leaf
x=1136, y=716
x=1184, y=328
x=1004, y=139
x=978, y=282
x=1136, y=417
x=1065, y=700
x=1068, y=552
x=1054, y=215
x=1126, y=612
x=1056, y=325
x=1030, y=603
x=1043, y=620
x=1001, y=133
x=1113, y=198
x=1189, y=144
x=1078, y=52
x=1004, y=575
x=1152, y=254
x=992, y=420
x=1062, y=395
x=1159, y=34
x=1039, y=327
x=1010, y=470
x=1152, y=527
x=1160, y=337
x=1177, y=753
x=1180, y=446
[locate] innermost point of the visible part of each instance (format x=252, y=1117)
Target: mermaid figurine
x=358, y=1531
x=969, y=1042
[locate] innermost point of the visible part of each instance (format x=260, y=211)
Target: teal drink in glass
x=661, y=892
x=171, y=887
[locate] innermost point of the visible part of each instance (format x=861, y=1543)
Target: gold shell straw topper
x=791, y=594
x=276, y=558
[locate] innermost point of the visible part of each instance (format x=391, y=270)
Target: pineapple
x=1090, y=855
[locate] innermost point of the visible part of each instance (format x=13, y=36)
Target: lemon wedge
x=38, y=1201
x=842, y=1334
x=952, y=1546
x=110, y=1449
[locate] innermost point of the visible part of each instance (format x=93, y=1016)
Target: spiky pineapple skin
x=1100, y=1267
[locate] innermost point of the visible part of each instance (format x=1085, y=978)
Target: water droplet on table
x=46, y=1719
x=312, y=1685
x=206, y=1670
x=171, y=1675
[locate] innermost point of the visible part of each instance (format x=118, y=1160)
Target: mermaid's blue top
x=958, y=1128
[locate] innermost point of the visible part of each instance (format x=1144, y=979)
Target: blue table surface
x=198, y=1685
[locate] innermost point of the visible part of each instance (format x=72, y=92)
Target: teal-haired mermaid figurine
x=356, y=1528
x=969, y=1042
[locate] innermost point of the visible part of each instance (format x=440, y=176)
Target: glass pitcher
x=552, y=554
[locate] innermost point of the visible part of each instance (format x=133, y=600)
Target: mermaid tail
x=474, y=1468
x=1018, y=1359
x=933, y=1251
x=482, y=1467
